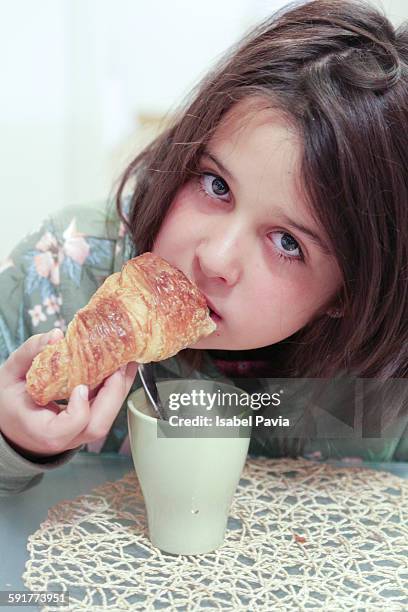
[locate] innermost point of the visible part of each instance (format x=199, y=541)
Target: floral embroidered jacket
x=55, y=270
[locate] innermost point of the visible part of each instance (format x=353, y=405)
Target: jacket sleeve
x=30, y=293
x=18, y=474
x=32, y=281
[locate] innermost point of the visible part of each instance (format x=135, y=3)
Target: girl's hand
x=50, y=430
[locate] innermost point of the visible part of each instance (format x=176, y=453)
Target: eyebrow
x=290, y=222
x=224, y=170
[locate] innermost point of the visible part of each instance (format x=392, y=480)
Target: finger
x=40, y=428
x=65, y=428
x=27, y=403
x=21, y=359
x=55, y=335
x=109, y=401
x=131, y=371
x=94, y=392
x=69, y=422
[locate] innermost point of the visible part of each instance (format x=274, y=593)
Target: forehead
x=262, y=145
x=253, y=135
x=254, y=113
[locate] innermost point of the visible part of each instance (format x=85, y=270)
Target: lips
x=213, y=311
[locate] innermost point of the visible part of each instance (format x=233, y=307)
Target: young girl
x=281, y=190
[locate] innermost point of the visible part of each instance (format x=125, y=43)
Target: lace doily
x=301, y=536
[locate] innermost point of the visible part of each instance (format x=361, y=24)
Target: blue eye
x=289, y=244
x=213, y=186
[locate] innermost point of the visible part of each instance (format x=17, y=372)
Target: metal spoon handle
x=150, y=388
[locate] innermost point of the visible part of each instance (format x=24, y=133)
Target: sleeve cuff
x=14, y=465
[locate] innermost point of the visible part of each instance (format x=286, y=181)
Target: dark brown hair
x=339, y=72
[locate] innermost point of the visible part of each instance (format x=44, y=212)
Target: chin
x=216, y=344
x=211, y=342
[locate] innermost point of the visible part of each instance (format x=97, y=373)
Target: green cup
x=188, y=474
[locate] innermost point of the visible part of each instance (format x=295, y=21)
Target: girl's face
x=235, y=230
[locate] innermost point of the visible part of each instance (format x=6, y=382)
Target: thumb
x=72, y=420
x=21, y=359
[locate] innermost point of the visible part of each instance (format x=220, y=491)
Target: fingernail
x=132, y=368
x=123, y=369
x=83, y=391
x=51, y=335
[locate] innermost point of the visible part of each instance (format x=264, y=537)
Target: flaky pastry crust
x=149, y=311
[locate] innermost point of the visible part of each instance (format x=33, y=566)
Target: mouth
x=215, y=316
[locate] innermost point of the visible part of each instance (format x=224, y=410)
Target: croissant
x=149, y=311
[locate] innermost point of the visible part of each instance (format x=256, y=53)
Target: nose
x=220, y=259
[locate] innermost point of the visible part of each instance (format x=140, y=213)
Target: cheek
x=283, y=301
x=180, y=224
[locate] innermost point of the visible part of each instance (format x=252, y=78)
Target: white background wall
x=79, y=76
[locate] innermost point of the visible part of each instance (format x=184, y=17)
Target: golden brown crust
x=147, y=312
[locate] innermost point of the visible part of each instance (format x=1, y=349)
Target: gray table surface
x=21, y=515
